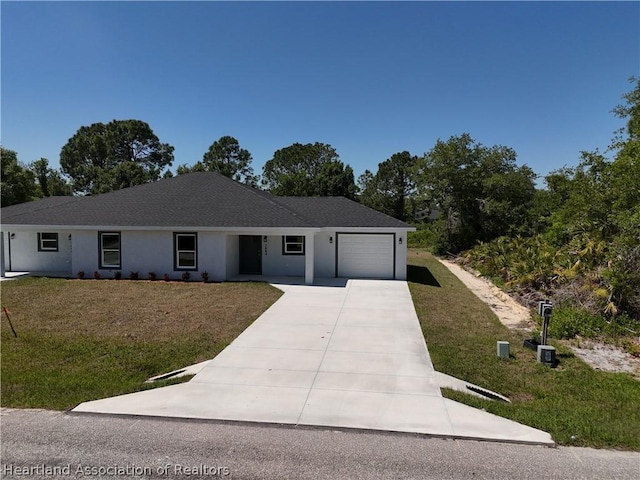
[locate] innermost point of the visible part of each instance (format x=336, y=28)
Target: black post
x=545, y=326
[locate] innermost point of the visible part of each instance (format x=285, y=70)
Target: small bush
x=152, y=276
x=166, y=277
x=133, y=276
x=205, y=276
x=568, y=322
x=186, y=276
x=117, y=275
x=430, y=236
x=96, y=275
x=81, y=274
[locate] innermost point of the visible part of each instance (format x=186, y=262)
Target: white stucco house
x=203, y=222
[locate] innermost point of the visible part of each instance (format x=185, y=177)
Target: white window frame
x=290, y=240
x=177, y=251
x=42, y=242
x=103, y=250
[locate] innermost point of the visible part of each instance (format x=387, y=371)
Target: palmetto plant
x=584, y=265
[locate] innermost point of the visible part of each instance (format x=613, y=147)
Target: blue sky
x=371, y=79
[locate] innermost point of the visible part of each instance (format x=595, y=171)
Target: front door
x=251, y=254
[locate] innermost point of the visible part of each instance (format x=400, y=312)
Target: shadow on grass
x=421, y=275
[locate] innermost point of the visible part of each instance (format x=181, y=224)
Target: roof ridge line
x=293, y=212
x=269, y=197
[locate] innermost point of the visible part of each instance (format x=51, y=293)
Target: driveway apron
x=349, y=356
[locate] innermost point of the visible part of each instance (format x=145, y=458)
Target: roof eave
x=7, y=227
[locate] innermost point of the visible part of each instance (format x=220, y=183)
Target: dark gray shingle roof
x=201, y=199
x=36, y=205
x=339, y=212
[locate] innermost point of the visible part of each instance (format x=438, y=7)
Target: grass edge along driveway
x=574, y=403
x=81, y=340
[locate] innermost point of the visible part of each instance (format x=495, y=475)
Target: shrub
x=96, y=275
x=205, y=277
x=81, y=274
x=117, y=275
x=152, y=276
x=133, y=276
x=569, y=322
x=422, y=238
x=166, y=277
x=186, y=276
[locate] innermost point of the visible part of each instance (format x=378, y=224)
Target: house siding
x=212, y=256
x=150, y=251
x=325, y=254
x=145, y=252
x=401, y=255
x=21, y=252
x=233, y=256
x=274, y=263
x=153, y=251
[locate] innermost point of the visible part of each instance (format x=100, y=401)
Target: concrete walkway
x=338, y=356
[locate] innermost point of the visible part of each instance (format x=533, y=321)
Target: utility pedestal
x=546, y=354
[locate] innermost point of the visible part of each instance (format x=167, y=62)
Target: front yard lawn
x=81, y=340
x=574, y=403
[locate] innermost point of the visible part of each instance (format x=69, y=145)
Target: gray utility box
x=546, y=354
x=503, y=349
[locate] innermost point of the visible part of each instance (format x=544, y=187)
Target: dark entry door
x=251, y=254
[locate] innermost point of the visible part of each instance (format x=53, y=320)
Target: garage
x=365, y=255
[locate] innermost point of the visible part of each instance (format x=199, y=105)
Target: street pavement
x=106, y=446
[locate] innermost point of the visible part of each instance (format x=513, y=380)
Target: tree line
x=122, y=153
x=104, y=157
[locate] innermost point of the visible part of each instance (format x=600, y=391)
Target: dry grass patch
x=84, y=339
x=140, y=309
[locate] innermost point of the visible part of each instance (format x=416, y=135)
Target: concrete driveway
x=338, y=356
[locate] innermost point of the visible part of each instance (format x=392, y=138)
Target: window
x=47, y=242
x=293, y=245
x=109, y=249
x=186, y=251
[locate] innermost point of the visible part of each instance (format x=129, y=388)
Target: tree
x=196, y=167
x=50, y=181
x=18, y=182
x=480, y=190
x=122, y=153
x=585, y=248
x=391, y=189
x=368, y=193
x=308, y=170
x=602, y=204
x=227, y=158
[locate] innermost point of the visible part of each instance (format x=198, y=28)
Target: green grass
x=574, y=403
x=80, y=340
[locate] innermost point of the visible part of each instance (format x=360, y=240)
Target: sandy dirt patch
x=608, y=358
x=510, y=312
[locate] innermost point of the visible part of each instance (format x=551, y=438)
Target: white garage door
x=365, y=256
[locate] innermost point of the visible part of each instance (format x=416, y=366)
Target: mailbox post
x=545, y=309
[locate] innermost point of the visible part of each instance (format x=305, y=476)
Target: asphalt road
x=44, y=444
